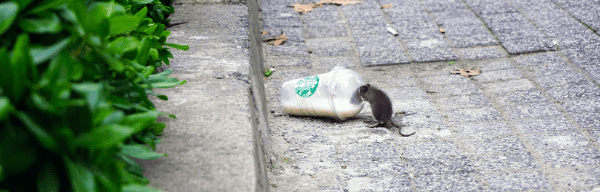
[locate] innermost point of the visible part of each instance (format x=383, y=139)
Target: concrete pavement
x=529, y=122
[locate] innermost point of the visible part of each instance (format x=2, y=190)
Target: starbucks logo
x=306, y=87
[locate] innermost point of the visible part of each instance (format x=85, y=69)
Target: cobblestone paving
x=529, y=122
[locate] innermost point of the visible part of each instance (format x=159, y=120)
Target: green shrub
x=74, y=83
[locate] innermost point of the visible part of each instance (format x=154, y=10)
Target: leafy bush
x=74, y=83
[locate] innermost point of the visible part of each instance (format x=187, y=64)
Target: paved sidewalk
x=529, y=122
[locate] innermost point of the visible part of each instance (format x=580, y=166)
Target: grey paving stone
x=584, y=53
x=418, y=33
x=583, y=90
x=518, y=30
x=464, y=101
x=419, y=117
x=549, y=69
x=473, y=114
x=270, y=14
x=553, y=16
x=454, y=89
x=289, y=75
x=506, y=162
x=378, y=43
x=318, y=29
x=574, y=37
x=483, y=129
x=412, y=23
x=536, y=126
x=528, y=45
x=330, y=47
x=442, y=165
x=572, y=158
x=360, y=30
x=330, y=62
x=495, y=66
x=325, y=13
x=435, y=49
x=565, y=79
x=520, y=181
x=519, y=97
x=430, y=149
x=383, y=58
x=357, y=15
x=503, y=17
x=456, y=17
x=396, y=82
x=501, y=75
x=494, y=145
x=413, y=104
x=491, y=7
x=282, y=22
x=531, y=110
x=364, y=5
x=377, y=19
x=378, y=151
x=293, y=34
x=300, y=61
x=405, y=93
x=369, y=183
x=575, y=179
x=437, y=6
x=469, y=35
x=314, y=158
x=301, y=138
x=287, y=48
x=560, y=140
x=400, y=4
x=595, y=134
x=482, y=53
x=445, y=79
x=585, y=120
x=508, y=86
x=448, y=182
x=587, y=14
x=539, y=58
x=404, y=16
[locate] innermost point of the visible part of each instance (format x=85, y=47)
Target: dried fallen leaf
x=442, y=30
x=302, y=8
x=466, y=72
x=277, y=40
x=386, y=6
x=265, y=32
x=339, y=2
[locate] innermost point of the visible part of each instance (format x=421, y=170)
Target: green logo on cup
x=306, y=87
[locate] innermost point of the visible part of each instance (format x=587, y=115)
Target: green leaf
x=41, y=54
x=42, y=103
x=104, y=136
x=142, y=13
x=48, y=24
x=82, y=180
x=164, y=73
x=163, y=82
x=8, y=13
x=123, y=24
x=144, y=51
x=97, y=22
x=154, y=54
x=157, y=129
x=23, y=4
x=176, y=46
x=122, y=45
x=40, y=134
x=140, y=121
x=5, y=108
x=140, y=152
x=114, y=118
x=47, y=178
x=21, y=65
x=93, y=93
x=48, y=4
x=138, y=188
x=6, y=73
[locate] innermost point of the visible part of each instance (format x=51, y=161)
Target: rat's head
x=363, y=89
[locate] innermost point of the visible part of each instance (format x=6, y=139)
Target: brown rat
x=381, y=105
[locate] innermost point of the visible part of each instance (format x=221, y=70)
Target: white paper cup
x=333, y=94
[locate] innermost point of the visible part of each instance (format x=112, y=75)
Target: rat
x=381, y=105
